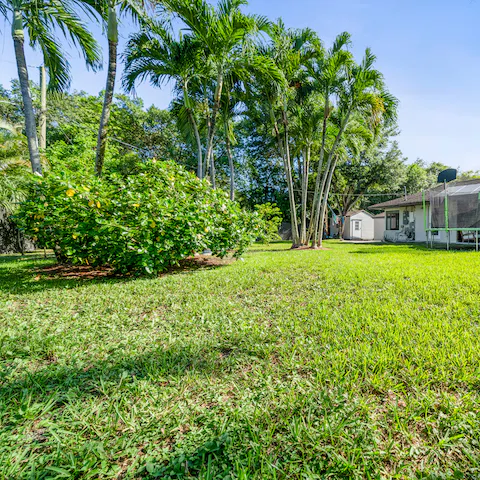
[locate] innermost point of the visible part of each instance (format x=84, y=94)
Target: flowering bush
x=144, y=222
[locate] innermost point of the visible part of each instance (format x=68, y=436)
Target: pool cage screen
x=454, y=206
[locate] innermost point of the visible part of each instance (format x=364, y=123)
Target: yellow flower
x=98, y=204
x=70, y=192
x=207, y=229
x=136, y=204
x=91, y=203
x=75, y=236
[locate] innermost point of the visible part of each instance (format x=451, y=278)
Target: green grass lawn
x=361, y=361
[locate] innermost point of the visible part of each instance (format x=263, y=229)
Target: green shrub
x=271, y=219
x=143, y=222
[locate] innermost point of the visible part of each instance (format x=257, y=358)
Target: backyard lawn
x=360, y=361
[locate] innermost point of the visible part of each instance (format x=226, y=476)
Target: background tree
x=42, y=20
x=110, y=11
x=223, y=32
x=362, y=93
x=158, y=57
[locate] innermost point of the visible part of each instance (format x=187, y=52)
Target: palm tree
x=328, y=70
x=229, y=104
x=156, y=55
x=110, y=10
x=362, y=92
x=289, y=50
x=306, y=122
x=223, y=32
x=41, y=19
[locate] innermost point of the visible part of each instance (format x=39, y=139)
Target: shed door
x=357, y=229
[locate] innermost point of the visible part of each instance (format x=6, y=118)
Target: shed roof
x=355, y=212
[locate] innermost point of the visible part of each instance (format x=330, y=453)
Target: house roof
x=417, y=198
x=355, y=212
x=409, y=200
x=379, y=215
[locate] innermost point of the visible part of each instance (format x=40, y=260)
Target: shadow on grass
x=388, y=248
x=271, y=250
x=60, y=383
x=33, y=273
x=30, y=257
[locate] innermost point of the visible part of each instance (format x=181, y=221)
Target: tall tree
x=224, y=31
x=229, y=102
x=156, y=55
x=378, y=168
x=289, y=50
x=111, y=10
x=41, y=19
x=362, y=92
x=305, y=128
x=328, y=69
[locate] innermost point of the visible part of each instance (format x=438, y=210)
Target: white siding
x=367, y=232
x=379, y=228
x=416, y=220
x=420, y=233
x=407, y=226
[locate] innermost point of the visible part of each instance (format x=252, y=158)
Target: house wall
x=407, y=226
x=420, y=233
x=379, y=228
x=416, y=222
x=367, y=227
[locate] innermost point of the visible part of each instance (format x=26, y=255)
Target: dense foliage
x=144, y=222
x=271, y=217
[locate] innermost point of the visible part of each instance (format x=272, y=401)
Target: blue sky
x=428, y=50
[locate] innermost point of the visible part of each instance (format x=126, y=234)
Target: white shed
x=359, y=225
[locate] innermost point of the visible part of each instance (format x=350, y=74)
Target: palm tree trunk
x=42, y=139
x=199, y=145
x=193, y=122
x=213, y=122
x=291, y=190
x=109, y=89
x=230, y=164
x=30, y=124
x=317, y=234
x=311, y=230
x=306, y=165
x=317, y=226
x=323, y=209
x=288, y=175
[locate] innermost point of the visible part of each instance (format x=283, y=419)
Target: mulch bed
x=86, y=272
